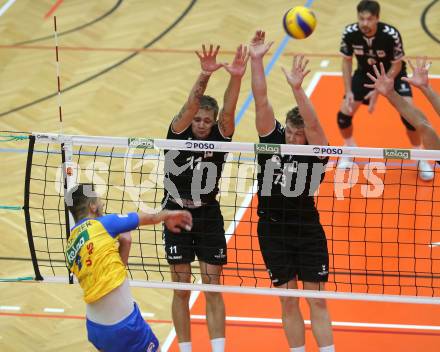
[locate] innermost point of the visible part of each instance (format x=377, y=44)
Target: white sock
x=185, y=346
x=218, y=345
x=330, y=348
x=349, y=142
x=298, y=349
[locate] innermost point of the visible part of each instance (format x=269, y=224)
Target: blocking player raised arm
x=264, y=115
x=384, y=85
x=420, y=80
x=236, y=69
x=312, y=127
x=208, y=65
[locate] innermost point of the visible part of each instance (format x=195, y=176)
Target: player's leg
x=313, y=272
x=293, y=321
x=320, y=317
x=215, y=307
x=279, y=257
x=210, y=247
x=345, y=117
x=180, y=253
x=180, y=306
x=426, y=171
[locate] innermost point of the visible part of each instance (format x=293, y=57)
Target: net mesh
x=382, y=222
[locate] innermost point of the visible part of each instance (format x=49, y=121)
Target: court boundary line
x=6, y=7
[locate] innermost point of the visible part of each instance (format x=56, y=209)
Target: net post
x=27, y=215
x=66, y=158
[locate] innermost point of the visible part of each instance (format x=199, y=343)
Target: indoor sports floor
x=114, y=88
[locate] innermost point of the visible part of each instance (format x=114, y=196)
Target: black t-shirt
x=286, y=183
x=385, y=46
x=187, y=173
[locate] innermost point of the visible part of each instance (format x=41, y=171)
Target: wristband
x=206, y=73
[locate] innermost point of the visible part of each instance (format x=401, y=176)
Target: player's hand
x=349, y=101
x=177, y=220
x=420, y=73
x=257, y=48
x=208, y=59
x=296, y=75
x=382, y=83
x=238, y=66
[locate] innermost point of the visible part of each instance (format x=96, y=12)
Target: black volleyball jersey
x=278, y=174
x=186, y=172
x=385, y=46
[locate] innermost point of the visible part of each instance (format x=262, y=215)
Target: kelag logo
x=397, y=154
x=200, y=145
x=266, y=148
x=327, y=150
x=144, y=143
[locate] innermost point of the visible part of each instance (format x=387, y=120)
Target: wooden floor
x=114, y=87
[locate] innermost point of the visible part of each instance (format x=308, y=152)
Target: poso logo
x=397, y=154
x=266, y=148
x=327, y=150
x=143, y=143
x=200, y=145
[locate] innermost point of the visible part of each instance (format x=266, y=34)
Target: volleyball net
x=382, y=223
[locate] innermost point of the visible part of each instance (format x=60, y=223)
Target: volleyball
x=299, y=22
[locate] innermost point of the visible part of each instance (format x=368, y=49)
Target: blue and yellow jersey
x=92, y=253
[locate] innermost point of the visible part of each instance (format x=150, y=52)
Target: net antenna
x=66, y=147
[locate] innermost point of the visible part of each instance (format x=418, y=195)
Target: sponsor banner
x=327, y=151
x=267, y=148
x=199, y=145
x=404, y=154
x=142, y=143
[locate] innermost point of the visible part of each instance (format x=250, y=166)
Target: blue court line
x=267, y=70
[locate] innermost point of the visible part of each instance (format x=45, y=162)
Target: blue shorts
x=132, y=334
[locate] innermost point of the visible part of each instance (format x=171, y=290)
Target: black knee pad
x=407, y=124
x=344, y=121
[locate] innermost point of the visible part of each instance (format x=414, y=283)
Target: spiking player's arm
x=420, y=80
x=265, y=118
x=313, y=129
x=236, y=70
x=175, y=220
x=384, y=85
x=208, y=65
x=124, y=240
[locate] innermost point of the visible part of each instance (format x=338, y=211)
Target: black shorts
x=360, y=78
x=293, y=251
x=206, y=238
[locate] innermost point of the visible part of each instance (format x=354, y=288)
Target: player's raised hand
x=298, y=71
x=382, y=83
x=258, y=48
x=420, y=73
x=238, y=66
x=208, y=59
x=177, y=220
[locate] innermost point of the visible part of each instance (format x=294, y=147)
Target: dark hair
x=295, y=118
x=370, y=6
x=209, y=103
x=78, y=199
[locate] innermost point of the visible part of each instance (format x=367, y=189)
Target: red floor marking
x=53, y=9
